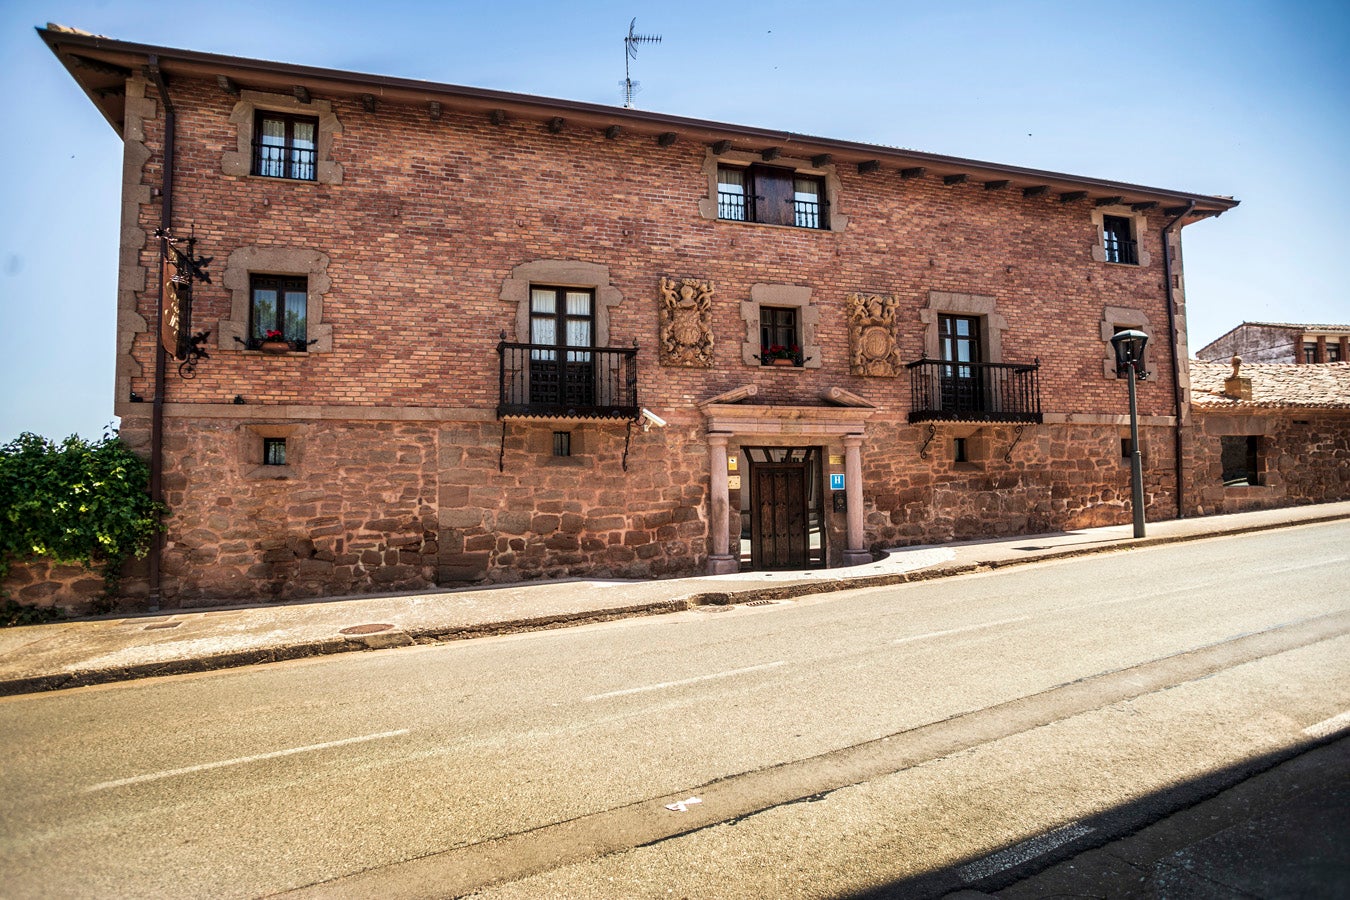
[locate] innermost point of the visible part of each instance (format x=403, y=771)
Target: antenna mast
x=630, y=45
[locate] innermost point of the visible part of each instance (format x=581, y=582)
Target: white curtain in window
x=295, y=316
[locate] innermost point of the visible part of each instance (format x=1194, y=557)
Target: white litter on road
x=683, y=805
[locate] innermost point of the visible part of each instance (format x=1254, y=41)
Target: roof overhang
x=101, y=65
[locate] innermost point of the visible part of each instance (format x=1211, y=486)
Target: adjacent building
x=458, y=336
x=1278, y=342
x=1270, y=435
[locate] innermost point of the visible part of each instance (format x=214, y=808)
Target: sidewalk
x=93, y=651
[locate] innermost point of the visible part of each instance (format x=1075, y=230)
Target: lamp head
x=1129, y=347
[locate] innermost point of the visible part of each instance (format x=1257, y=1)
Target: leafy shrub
x=12, y=613
x=75, y=502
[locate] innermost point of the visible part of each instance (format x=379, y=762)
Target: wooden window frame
x=288, y=164
x=282, y=283
x=770, y=197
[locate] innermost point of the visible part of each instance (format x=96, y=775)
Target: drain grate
x=761, y=603
x=365, y=629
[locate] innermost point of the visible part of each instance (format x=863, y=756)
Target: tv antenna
x=630, y=45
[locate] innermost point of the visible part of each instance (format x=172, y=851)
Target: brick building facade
x=431, y=252
x=1280, y=342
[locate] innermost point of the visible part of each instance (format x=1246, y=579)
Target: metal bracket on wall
x=501, y=454
x=627, y=441
x=932, y=433
x=1017, y=437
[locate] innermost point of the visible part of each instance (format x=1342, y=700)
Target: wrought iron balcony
x=974, y=392
x=548, y=381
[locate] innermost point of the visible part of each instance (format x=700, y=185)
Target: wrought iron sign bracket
x=501, y=454
x=932, y=433
x=195, y=353
x=1017, y=438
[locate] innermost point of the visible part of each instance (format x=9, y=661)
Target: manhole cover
x=365, y=629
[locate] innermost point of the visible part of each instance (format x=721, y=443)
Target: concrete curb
x=399, y=637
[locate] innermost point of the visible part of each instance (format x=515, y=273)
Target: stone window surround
x=1117, y=318
x=781, y=295
x=561, y=273
x=251, y=451
x=944, y=303
x=245, y=262
x=240, y=161
x=1138, y=228
x=835, y=219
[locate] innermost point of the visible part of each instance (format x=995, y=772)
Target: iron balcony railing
x=733, y=206
x=545, y=380
x=1122, y=250
x=981, y=392
x=276, y=161
x=806, y=213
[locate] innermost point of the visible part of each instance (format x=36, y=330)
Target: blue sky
x=1248, y=99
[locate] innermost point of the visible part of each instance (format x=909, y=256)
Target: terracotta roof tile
x=1322, y=386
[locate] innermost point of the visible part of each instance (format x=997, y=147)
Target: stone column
x=855, y=553
x=720, y=561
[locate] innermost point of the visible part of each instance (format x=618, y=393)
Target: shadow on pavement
x=1275, y=826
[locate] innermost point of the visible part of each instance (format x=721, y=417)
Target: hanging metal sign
x=177, y=273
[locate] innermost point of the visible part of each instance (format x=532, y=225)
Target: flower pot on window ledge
x=784, y=362
x=275, y=347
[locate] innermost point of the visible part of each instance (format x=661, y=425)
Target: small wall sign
x=836, y=482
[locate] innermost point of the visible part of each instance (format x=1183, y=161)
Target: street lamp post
x=1129, y=346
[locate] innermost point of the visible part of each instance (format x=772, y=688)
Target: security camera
x=650, y=418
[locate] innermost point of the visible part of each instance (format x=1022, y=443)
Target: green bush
x=75, y=502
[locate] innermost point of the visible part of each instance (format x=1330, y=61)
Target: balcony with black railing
x=549, y=381
x=974, y=392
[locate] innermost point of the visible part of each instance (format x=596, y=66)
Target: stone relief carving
x=686, y=323
x=871, y=335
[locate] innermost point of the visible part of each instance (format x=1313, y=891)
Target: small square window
x=562, y=443
x=277, y=310
x=1118, y=240
x=1126, y=448
x=274, y=451
x=962, y=452
x=1333, y=353
x=1309, y=353
x=285, y=146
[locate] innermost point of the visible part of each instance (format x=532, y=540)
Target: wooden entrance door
x=778, y=516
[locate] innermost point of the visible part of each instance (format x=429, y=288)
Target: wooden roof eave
x=262, y=75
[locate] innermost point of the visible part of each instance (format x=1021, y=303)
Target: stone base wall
x=46, y=585
x=1058, y=478
x=365, y=507
x=1303, y=457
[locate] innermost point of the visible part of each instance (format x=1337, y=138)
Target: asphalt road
x=936, y=724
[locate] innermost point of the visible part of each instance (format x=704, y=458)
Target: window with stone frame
x=1118, y=240
x=1309, y=354
x=285, y=146
x=278, y=308
x=780, y=336
x=771, y=195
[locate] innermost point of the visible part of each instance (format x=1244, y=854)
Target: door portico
x=838, y=423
